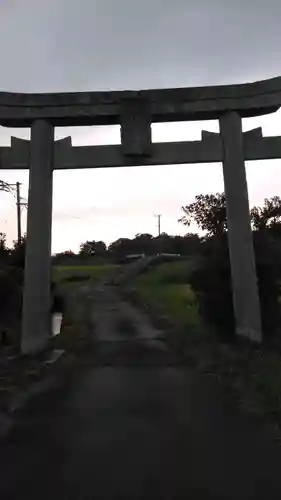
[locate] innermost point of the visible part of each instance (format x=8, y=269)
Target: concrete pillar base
x=254, y=335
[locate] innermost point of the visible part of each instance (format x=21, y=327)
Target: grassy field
x=81, y=273
x=167, y=286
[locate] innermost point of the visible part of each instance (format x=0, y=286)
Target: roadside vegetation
x=253, y=373
x=167, y=286
x=191, y=300
x=68, y=273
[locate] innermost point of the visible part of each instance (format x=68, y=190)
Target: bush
x=211, y=282
x=268, y=273
x=10, y=295
x=17, y=254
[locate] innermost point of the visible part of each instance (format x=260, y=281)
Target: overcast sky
x=65, y=45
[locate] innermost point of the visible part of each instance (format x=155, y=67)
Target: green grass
x=167, y=286
x=93, y=272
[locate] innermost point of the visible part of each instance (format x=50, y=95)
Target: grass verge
x=166, y=289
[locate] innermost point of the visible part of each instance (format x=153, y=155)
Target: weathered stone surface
x=104, y=108
x=208, y=150
x=135, y=127
x=36, y=323
x=242, y=258
x=254, y=134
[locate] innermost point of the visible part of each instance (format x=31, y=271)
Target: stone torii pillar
x=36, y=324
x=242, y=258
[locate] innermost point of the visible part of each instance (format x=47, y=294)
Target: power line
x=14, y=189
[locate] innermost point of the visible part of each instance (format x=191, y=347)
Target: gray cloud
x=52, y=45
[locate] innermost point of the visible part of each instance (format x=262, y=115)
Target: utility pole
x=159, y=232
x=159, y=223
x=10, y=188
x=18, y=212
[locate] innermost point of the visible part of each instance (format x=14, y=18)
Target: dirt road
x=133, y=425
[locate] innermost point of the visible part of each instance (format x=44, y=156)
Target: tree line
x=140, y=244
x=13, y=256
x=207, y=212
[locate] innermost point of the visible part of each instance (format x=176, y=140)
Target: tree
x=208, y=212
x=211, y=278
x=63, y=257
x=188, y=244
x=17, y=254
x=269, y=216
x=142, y=243
x=3, y=246
x=92, y=248
x=3, y=241
x=120, y=248
x=66, y=253
x=4, y=252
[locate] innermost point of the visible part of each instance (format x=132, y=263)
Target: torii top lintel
x=164, y=105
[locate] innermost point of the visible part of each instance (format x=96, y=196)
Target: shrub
x=211, y=281
x=10, y=295
x=268, y=273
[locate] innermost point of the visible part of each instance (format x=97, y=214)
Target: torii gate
x=135, y=111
